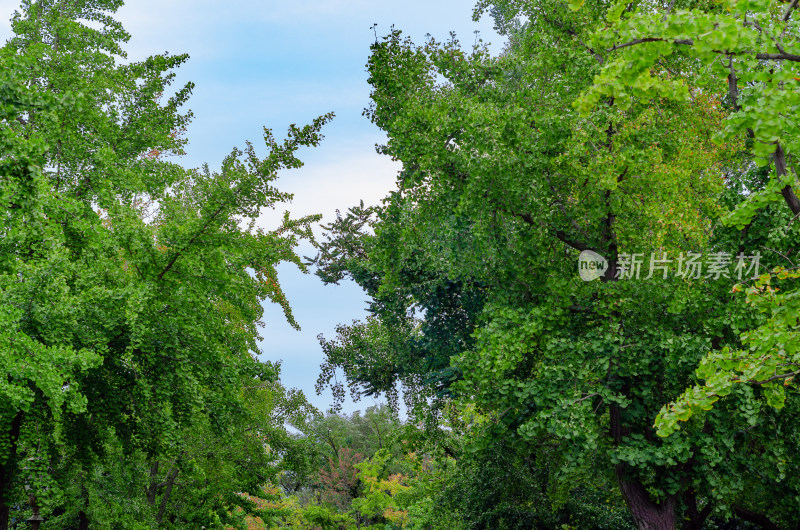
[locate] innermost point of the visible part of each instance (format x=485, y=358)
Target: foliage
x=754, y=47
x=131, y=288
x=503, y=183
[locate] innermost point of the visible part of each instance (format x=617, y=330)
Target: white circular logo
x=591, y=265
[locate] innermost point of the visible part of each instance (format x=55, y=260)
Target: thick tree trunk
x=7, y=470
x=646, y=514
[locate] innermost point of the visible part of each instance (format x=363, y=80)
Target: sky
x=268, y=63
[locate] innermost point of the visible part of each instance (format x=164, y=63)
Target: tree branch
x=194, y=238
x=773, y=378
x=778, y=57
x=559, y=234
x=780, y=170
x=788, y=13
x=634, y=42
x=733, y=85
x=755, y=518
x=668, y=11
x=690, y=42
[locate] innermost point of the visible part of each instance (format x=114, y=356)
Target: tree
x=753, y=46
x=502, y=186
x=394, y=345
x=131, y=288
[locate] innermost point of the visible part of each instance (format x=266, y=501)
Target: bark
x=647, y=514
x=696, y=518
x=7, y=470
x=152, y=490
x=83, y=517
x=733, y=86
x=83, y=521
x=791, y=199
x=787, y=192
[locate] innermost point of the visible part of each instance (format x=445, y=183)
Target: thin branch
x=689, y=42
x=584, y=398
x=784, y=256
x=668, y=69
x=559, y=234
x=755, y=24
x=669, y=10
x=793, y=219
x=191, y=241
x=789, y=10
x=634, y=42
x=773, y=378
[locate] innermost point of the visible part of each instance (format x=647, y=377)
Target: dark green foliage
x=495, y=487
x=503, y=184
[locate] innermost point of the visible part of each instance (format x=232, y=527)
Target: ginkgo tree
x=512, y=166
x=131, y=289
x=755, y=48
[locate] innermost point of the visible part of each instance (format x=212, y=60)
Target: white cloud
x=336, y=183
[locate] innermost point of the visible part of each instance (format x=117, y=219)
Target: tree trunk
x=646, y=514
x=83, y=518
x=152, y=489
x=7, y=470
x=83, y=521
x=695, y=518
x=167, y=492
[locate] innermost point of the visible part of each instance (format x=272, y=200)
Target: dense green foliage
x=606, y=140
x=658, y=397
x=130, y=289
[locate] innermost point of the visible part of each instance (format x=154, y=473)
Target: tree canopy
x=583, y=287
x=606, y=140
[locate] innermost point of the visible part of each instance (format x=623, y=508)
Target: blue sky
x=270, y=64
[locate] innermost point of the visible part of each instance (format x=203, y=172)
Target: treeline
x=373, y=471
